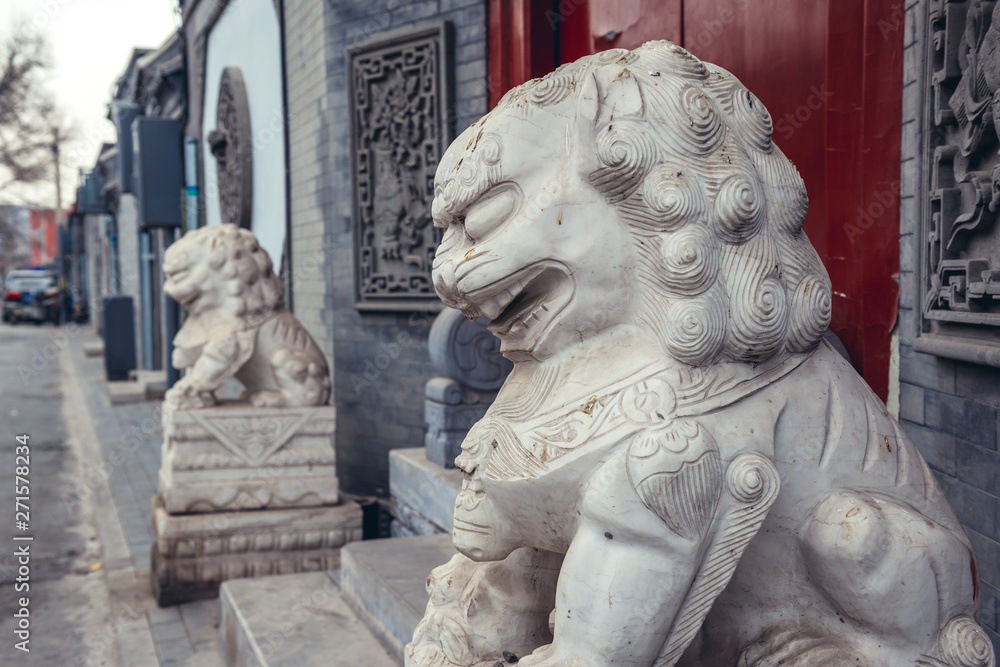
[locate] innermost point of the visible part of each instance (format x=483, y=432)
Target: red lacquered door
x=830, y=73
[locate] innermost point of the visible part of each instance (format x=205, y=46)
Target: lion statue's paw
x=267, y=399
x=186, y=395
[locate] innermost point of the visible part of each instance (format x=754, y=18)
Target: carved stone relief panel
x=230, y=144
x=399, y=126
x=959, y=265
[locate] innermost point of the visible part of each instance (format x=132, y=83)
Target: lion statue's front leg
x=482, y=613
x=219, y=360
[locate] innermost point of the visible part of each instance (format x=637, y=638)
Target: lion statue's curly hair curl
x=238, y=324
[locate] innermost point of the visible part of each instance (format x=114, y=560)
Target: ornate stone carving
x=679, y=469
x=271, y=452
x=959, y=268
x=236, y=457
x=473, y=369
x=230, y=144
x=238, y=325
x=194, y=553
x=399, y=127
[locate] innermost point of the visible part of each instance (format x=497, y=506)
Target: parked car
x=31, y=295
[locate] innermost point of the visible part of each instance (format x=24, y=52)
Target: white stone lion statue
x=237, y=325
x=679, y=470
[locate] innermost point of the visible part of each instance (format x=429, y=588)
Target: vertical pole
x=63, y=269
x=172, y=314
x=145, y=255
x=191, y=184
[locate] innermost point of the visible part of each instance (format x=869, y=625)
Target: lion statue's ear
x=623, y=99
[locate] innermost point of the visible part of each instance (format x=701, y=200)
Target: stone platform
x=296, y=620
x=367, y=621
x=423, y=493
x=194, y=553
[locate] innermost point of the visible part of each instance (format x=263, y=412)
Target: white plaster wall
x=247, y=35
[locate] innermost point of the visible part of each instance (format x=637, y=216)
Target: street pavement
x=93, y=469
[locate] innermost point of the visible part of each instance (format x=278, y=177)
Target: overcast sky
x=90, y=41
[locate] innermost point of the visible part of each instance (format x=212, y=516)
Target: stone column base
x=194, y=553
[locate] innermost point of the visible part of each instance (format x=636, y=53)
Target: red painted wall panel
x=43, y=243
x=628, y=24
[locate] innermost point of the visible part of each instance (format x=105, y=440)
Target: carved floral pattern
x=399, y=128
x=959, y=271
x=230, y=144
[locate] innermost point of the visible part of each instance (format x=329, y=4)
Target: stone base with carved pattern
x=246, y=491
x=237, y=457
x=194, y=553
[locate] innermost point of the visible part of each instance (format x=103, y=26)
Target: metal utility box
x=158, y=171
x=123, y=114
x=119, y=337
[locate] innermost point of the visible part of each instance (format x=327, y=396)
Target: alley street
x=68, y=605
x=91, y=474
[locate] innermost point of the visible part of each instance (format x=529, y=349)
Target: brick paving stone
x=130, y=442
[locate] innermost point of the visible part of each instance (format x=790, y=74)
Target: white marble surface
x=678, y=471
x=236, y=457
x=237, y=325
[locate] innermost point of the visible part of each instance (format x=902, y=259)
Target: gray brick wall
x=380, y=361
x=948, y=407
x=309, y=148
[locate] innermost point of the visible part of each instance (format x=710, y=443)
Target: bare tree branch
x=27, y=114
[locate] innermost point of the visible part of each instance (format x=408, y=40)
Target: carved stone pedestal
x=239, y=457
x=194, y=553
x=246, y=492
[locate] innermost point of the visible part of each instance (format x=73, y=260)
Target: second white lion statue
x=238, y=325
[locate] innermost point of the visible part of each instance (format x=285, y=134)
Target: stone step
x=424, y=488
x=121, y=392
x=295, y=620
x=384, y=582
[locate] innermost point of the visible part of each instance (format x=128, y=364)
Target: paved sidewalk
x=126, y=442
